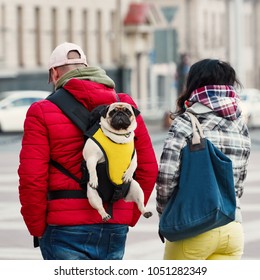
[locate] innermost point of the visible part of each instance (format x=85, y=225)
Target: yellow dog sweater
x=118, y=156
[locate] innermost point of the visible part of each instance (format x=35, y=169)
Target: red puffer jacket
x=48, y=133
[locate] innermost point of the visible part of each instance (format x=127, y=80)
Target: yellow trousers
x=222, y=243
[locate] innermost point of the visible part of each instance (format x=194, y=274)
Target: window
x=164, y=52
x=99, y=37
x=2, y=32
x=249, y=30
x=206, y=31
x=70, y=26
x=213, y=31
x=54, y=25
x=85, y=30
x=37, y=20
x=20, y=34
x=222, y=36
x=112, y=37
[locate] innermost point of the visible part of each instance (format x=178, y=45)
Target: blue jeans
x=84, y=242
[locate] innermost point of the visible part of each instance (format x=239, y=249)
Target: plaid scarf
x=220, y=98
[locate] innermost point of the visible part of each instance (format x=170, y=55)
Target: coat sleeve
x=33, y=171
x=147, y=166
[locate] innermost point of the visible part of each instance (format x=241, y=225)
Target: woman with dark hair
x=210, y=94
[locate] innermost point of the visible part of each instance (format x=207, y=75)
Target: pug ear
x=136, y=111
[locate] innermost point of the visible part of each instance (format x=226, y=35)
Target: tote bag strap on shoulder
x=196, y=128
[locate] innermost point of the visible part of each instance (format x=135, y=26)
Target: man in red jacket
x=69, y=228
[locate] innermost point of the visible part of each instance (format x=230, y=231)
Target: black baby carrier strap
x=70, y=106
x=88, y=123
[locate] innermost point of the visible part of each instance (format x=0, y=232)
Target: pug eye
x=111, y=113
x=128, y=112
x=120, y=109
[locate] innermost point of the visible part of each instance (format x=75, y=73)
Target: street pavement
x=143, y=242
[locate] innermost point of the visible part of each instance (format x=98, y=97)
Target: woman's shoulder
x=181, y=125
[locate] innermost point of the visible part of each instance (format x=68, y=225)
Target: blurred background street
x=146, y=47
x=143, y=242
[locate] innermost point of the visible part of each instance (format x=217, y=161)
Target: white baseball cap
x=59, y=56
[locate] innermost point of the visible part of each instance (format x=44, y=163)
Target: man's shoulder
x=124, y=97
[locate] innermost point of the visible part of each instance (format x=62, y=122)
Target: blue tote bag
x=205, y=196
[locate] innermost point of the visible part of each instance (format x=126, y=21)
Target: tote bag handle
x=197, y=129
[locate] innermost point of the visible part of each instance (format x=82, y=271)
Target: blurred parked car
x=14, y=105
x=250, y=101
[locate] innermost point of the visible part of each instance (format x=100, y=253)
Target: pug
x=117, y=122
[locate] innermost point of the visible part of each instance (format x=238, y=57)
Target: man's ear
x=136, y=111
x=54, y=75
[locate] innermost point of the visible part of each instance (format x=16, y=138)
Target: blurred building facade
x=138, y=43
x=223, y=29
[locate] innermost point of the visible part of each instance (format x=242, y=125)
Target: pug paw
x=93, y=185
x=106, y=218
x=127, y=177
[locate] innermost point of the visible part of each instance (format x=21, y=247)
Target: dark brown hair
x=207, y=72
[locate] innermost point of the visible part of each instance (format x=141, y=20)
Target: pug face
x=119, y=118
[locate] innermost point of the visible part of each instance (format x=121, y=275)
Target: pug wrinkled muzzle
x=120, y=120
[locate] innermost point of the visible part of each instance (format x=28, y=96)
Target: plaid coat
x=230, y=136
